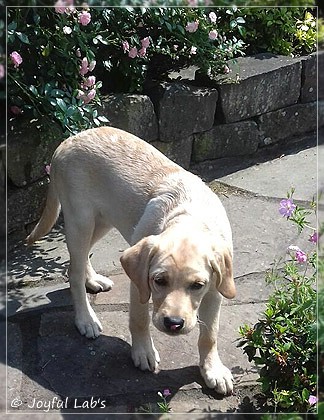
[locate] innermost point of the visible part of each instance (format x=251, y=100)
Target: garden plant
x=81, y=53
x=283, y=343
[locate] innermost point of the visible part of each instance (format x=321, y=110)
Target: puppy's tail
x=49, y=215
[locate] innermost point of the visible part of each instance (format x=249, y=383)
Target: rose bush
x=61, y=57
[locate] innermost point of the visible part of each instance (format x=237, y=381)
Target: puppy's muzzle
x=173, y=324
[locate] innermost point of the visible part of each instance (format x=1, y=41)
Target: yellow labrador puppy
x=180, y=237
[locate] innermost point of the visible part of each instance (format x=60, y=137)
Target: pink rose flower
x=145, y=42
x=92, y=94
x=90, y=81
x=84, y=66
x=16, y=59
x=213, y=35
x=92, y=65
x=80, y=94
x=125, y=46
x=142, y=52
x=212, y=17
x=60, y=6
x=132, y=52
x=84, y=18
x=312, y=400
x=87, y=98
x=192, y=26
x=2, y=71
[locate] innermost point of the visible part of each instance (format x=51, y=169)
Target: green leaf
x=168, y=26
x=36, y=18
x=57, y=93
x=103, y=119
x=61, y=104
x=181, y=29
x=23, y=37
x=240, y=20
x=33, y=90
x=70, y=111
x=305, y=394
x=12, y=26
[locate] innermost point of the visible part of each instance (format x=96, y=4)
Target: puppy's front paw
x=218, y=377
x=145, y=356
x=99, y=283
x=89, y=325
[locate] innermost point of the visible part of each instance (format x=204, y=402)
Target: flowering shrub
x=59, y=58
x=283, y=342
x=58, y=81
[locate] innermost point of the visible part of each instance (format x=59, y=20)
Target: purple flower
x=312, y=400
x=166, y=393
x=314, y=238
x=48, y=169
x=287, y=207
x=300, y=256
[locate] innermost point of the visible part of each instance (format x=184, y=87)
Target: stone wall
x=270, y=99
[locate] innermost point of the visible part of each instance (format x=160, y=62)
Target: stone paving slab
x=276, y=182
x=70, y=365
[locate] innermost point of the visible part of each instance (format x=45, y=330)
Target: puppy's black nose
x=173, y=323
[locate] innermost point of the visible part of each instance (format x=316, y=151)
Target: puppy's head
x=178, y=269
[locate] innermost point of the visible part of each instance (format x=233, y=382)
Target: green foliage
x=48, y=80
x=283, y=342
x=284, y=30
x=321, y=33
x=53, y=45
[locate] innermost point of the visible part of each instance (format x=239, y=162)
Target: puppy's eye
x=160, y=281
x=196, y=286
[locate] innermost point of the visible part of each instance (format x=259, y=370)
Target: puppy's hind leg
x=78, y=237
x=94, y=281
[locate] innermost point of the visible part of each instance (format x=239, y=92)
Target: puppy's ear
x=136, y=262
x=222, y=264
